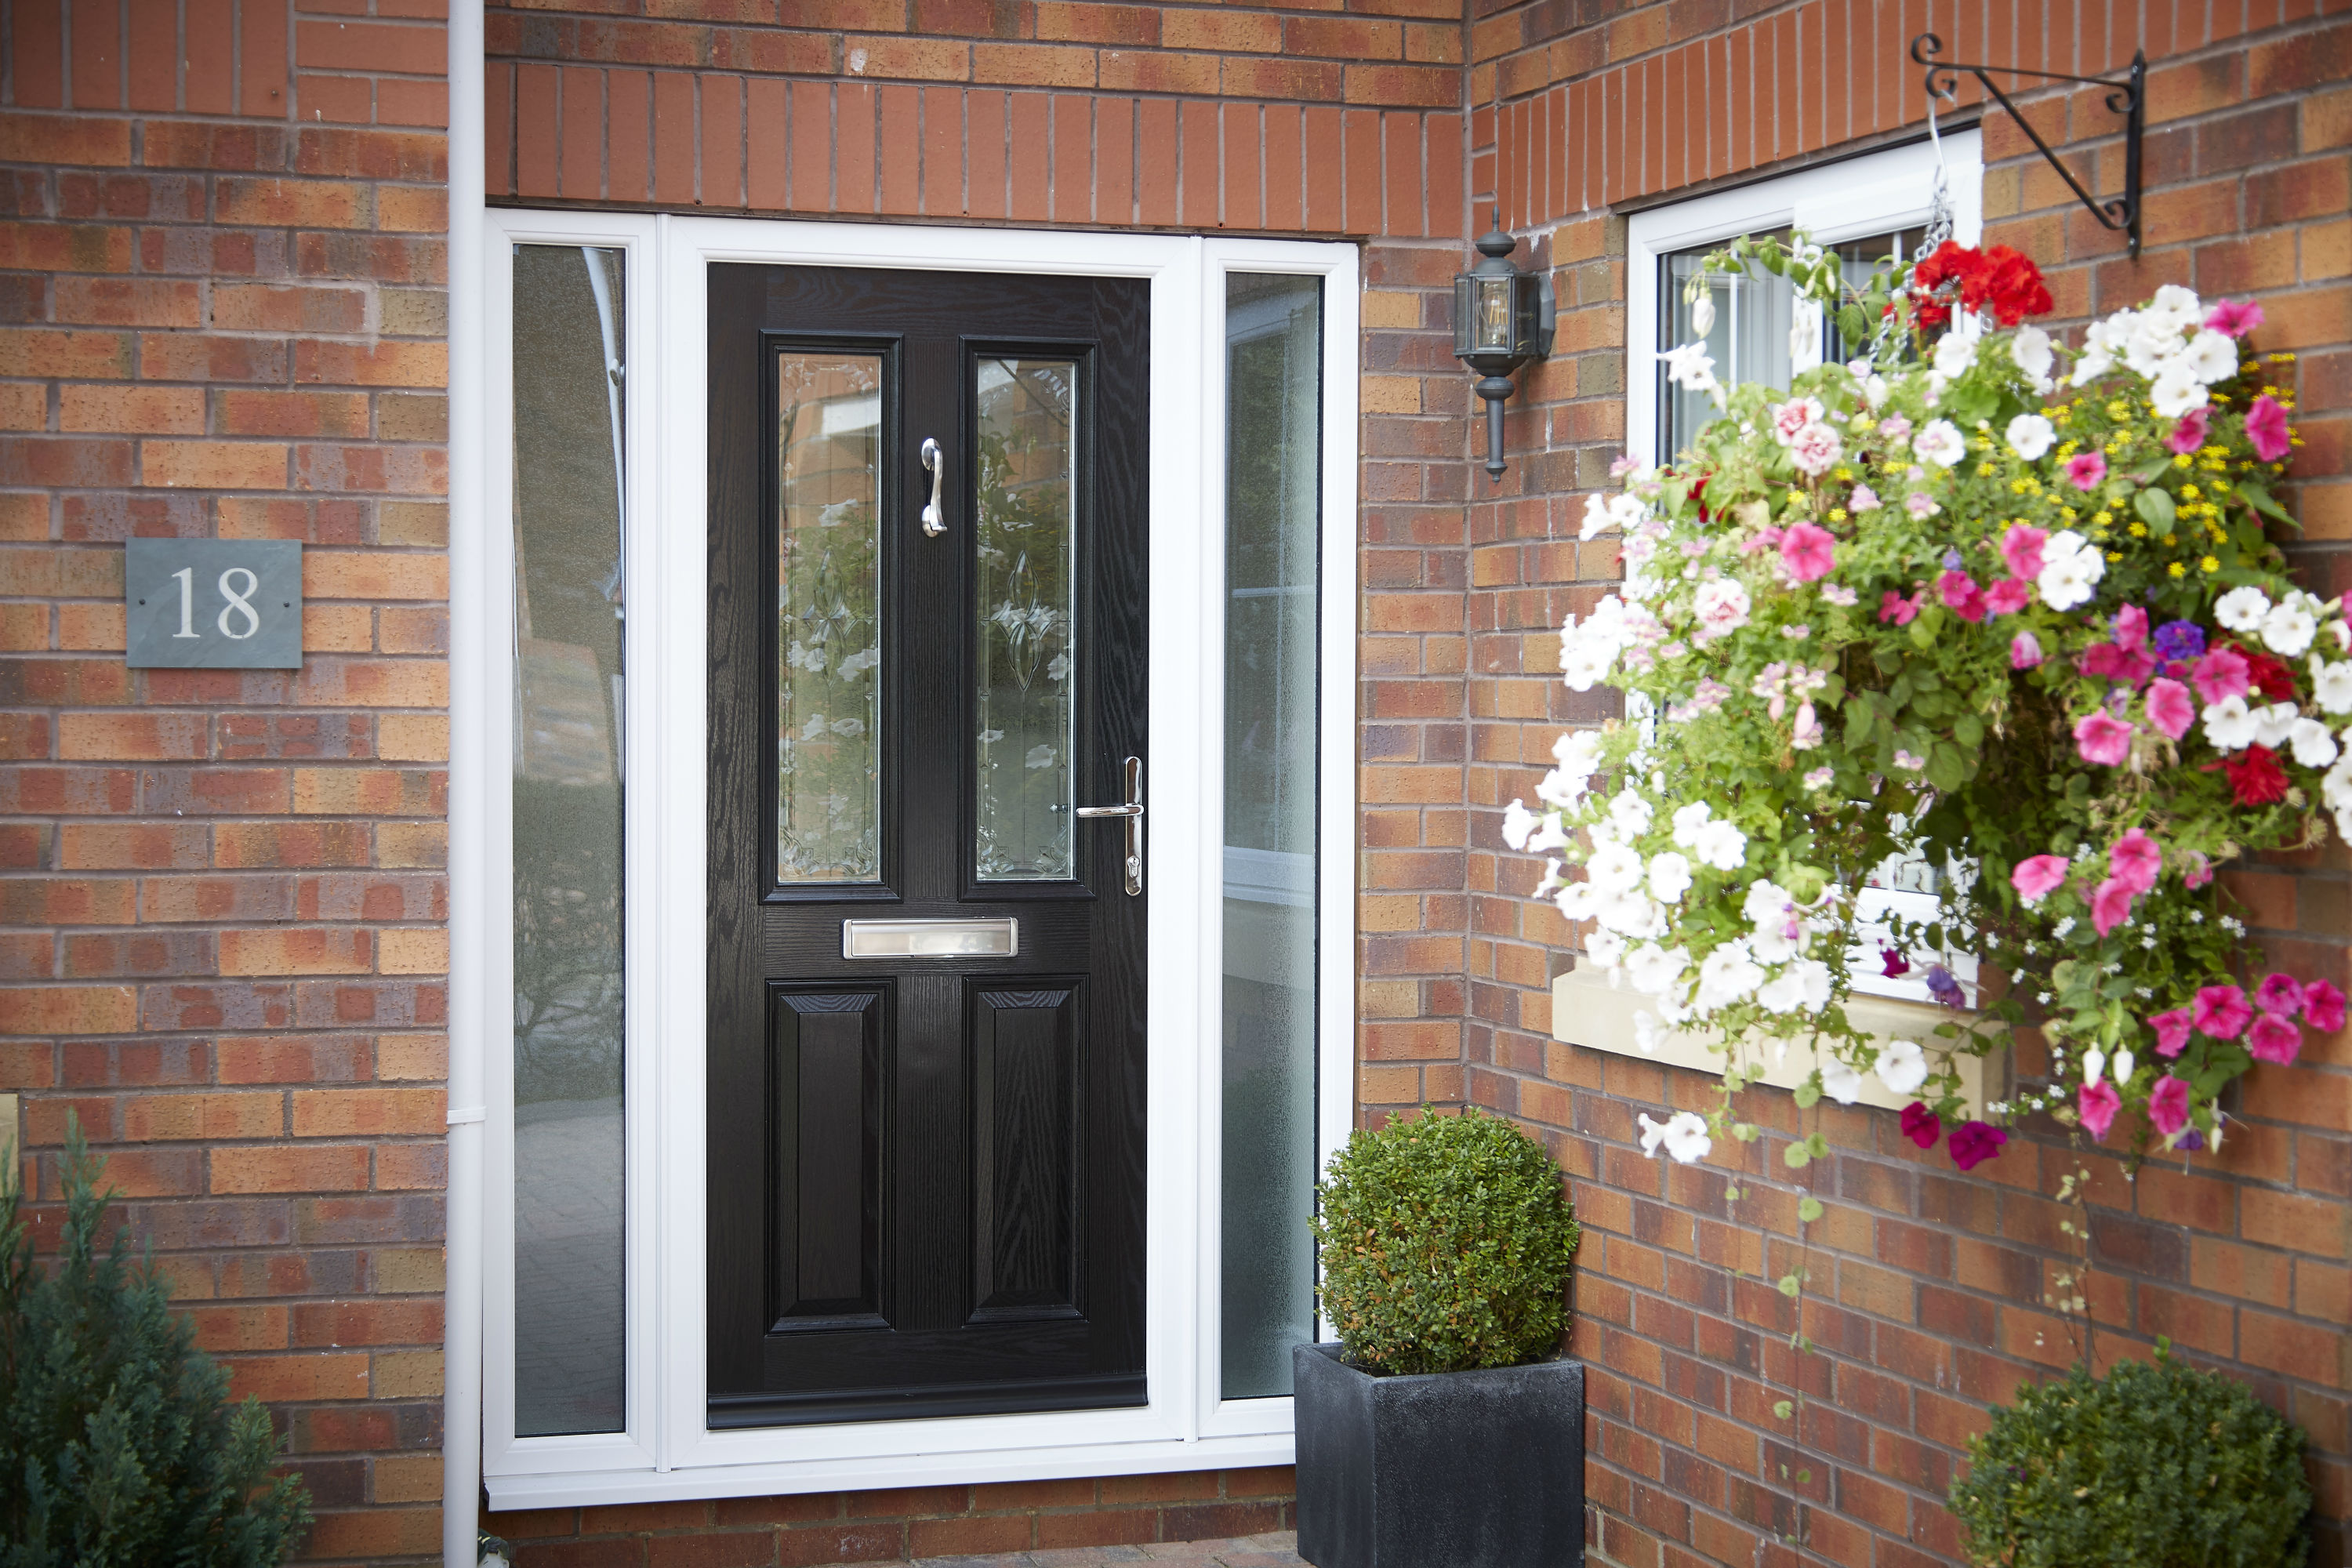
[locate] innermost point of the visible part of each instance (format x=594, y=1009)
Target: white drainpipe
x=461, y=1432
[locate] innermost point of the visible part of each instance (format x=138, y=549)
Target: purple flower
x=1893, y=964
x=1921, y=1125
x=2180, y=639
x=1942, y=987
x=2190, y=1140
x=1951, y=559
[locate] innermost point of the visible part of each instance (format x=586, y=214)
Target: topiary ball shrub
x=2156, y=1464
x=1446, y=1245
x=118, y=1446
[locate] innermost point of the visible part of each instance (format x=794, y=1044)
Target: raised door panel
x=1025, y=1180
x=828, y=1094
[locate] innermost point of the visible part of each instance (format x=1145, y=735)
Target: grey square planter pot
x=1456, y=1470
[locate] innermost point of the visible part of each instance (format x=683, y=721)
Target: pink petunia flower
x=1921, y=1125
x=2220, y=676
x=2221, y=1012
x=2098, y=1104
x=2112, y=661
x=2279, y=994
x=1898, y=608
x=2234, y=318
x=2170, y=708
x=2171, y=1031
x=2007, y=596
x=2323, y=1006
x=2190, y=434
x=2200, y=869
x=2131, y=628
x=2168, y=1105
x=2111, y=904
x=2102, y=739
x=1974, y=1143
x=2135, y=860
x=2086, y=470
x=2273, y=1039
x=2034, y=878
x=2266, y=428
x=2020, y=549
x=1808, y=551
x=1961, y=595
x=2024, y=651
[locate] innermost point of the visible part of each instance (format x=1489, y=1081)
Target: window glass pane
x=1025, y=578
x=1274, y=401
x=1749, y=342
x=828, y=611
x=567, y=839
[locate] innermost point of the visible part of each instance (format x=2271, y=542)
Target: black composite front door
x=927, y=684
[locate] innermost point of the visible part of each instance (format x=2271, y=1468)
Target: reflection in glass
x=567, y=840
x=828, y=618
x=1026, y=577
x=1749, y=342
x=1274, y=399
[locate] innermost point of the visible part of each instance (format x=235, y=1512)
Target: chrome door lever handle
x=934, y=523
x=1129, y=811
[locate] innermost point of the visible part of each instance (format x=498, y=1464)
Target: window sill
x=1587, y=1011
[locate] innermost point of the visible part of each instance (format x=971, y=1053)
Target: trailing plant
x=118, y=1449
x=1933, y=606
x=1447, y=1244
x=2156, y=1465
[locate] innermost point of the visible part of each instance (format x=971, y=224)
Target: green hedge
x=1447, y=1244
x=2156, y=1465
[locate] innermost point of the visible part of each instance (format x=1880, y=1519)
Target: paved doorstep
x=1273, y=1550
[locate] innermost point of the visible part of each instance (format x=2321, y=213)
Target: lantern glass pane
x=1494, y=314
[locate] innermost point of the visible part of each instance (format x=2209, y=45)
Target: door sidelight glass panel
x=828, y=618
x=1273, y=400
x=568, y=677
x=1024, y=493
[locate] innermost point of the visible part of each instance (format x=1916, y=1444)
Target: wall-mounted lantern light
x=1502, y=319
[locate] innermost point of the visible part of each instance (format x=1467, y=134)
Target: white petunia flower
x=1902, y=1067
x=2331, y=685
x=1670, y=875
x=1784, y=993
x=2176, y=391
x=1689, y=819
x=1549, y=833
x=2070, y=566
x=2243, y=609
x=1721, y=846
x=2288, y=629
x=1653, y=969
x=2313, y=746
x=1955, y=351
x=1814, y=976
x=2274, y=724
x=1577, y=901
x=1727, y=975
x=2229, y=726
x=1633, y=914
x=1940, y=443
x=1767, y=903
x=1606, y=949
x=1584, y=664
x=2209, y=357
x=1517, y=823
x=2029, y=436
x=1614, y=868
x=1683, y=1135
x=1596, y=516
x=1630, y=812
x=2030, y=349
x=1841, y=1082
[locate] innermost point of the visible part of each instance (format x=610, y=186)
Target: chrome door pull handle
x=934, y=523
x=1129, y=811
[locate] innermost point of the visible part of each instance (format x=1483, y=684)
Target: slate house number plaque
x=212, y=603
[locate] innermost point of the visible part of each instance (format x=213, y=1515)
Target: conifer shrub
x=118, y=1445
x=2156, y=1465
x=1446, y=1245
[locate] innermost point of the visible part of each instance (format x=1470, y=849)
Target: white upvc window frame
x=1850, y=198
x=667, y=1449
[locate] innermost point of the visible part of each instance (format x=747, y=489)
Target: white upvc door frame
x=667, y=1449
x=1848, y=198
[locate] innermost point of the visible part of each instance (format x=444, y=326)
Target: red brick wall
x=1930, y=1287
x=221, y=315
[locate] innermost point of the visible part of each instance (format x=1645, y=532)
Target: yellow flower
x=2138, y=530
x=2115, y=556
x=1984, y=470
x=2209, y=564
x=1845, y=475
x=2178, y=570
x=2171, y=541
x=2118, y=410
x=2190, y=492
x=2102, y=518
x=2181, y=461
x=1837, y=514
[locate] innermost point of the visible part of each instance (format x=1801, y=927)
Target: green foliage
x=1446, y=1245
x=118, y=1449
x=2156, y=1464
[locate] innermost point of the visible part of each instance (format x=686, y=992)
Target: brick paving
x=1272, y=1550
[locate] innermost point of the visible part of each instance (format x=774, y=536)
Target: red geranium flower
x=2012, y=286
x=2270, y=676
x=2255, y=776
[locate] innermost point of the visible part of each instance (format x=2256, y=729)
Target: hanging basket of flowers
x=1974, y=598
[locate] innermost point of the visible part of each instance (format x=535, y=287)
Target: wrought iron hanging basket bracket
x=2127, y=95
